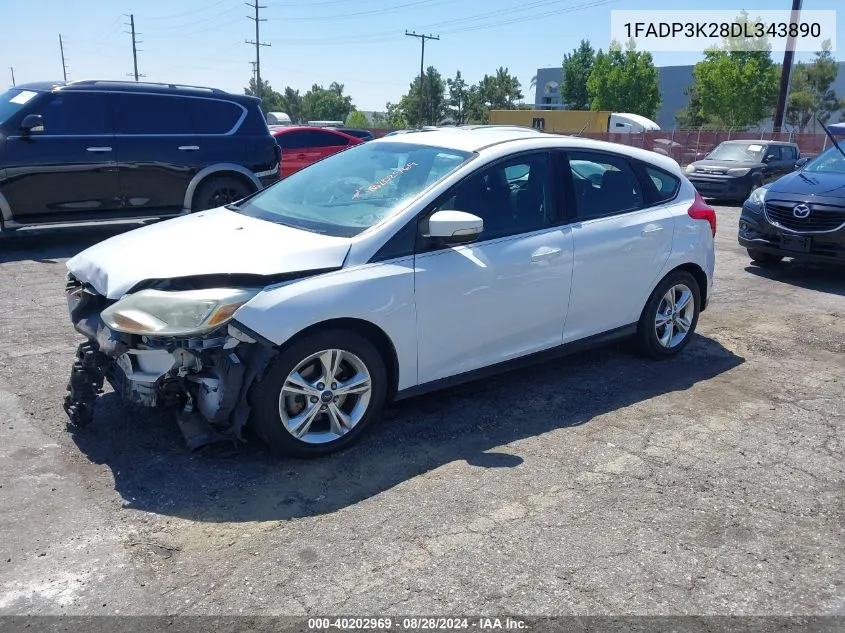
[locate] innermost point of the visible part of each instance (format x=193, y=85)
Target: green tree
x=271, y=101
x=801, y=107
x=458, y=95
x=738, y=86
x=577, y=67
x=501, y=91
x=624, y=81
x=691, y=117
x=291, y=103
x=394, y=116
x=434, y=103
x=326, y=104
x=357, y=119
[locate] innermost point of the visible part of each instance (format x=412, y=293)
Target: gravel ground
x=601, y=484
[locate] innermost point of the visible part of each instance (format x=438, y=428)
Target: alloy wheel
x=674, y=317
x=325, y=396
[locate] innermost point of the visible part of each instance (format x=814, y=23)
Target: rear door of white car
x=506, y=294
x=622, y=235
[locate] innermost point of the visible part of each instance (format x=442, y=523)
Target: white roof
x=506, y=138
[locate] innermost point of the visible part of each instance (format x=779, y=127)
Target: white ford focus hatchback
x=395, y=267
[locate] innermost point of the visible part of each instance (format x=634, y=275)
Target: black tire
x=216, y=191
x=647, y=339
x=265, y=395
x=763, y=259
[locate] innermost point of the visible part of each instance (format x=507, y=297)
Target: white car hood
x=207, y=243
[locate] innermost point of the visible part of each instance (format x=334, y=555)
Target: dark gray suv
x=736, y=168
x=106, y=150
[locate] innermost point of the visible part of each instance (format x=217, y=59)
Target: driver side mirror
x=769, y=158
x=32, y=124
x=455, y=227
x=801, y=162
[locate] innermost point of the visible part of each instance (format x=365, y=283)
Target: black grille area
x=822, y=217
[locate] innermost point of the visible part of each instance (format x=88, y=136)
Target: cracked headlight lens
x=184, y=313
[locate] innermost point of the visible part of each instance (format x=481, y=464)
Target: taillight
x=700, y=210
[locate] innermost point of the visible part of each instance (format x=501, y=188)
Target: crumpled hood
x=207, y=243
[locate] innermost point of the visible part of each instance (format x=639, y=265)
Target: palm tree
x=533, y=83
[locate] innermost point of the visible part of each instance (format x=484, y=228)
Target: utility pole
x=135, y=49
x=423, y=38
x=786, y=69
x=258, y=44
x=12, y=68
x=62, y=49
x=254, y=66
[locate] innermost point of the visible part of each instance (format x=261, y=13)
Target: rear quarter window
x=212, y=116
x=663, y=185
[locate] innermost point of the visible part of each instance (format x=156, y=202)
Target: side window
x=146, y=114
x=77, y=113
x=774, y=150
x=604, y=184
x=665, y=184
x=298, y=139
x=320, y=138
x=790, y=153
x=212, y=116
x=512, y=197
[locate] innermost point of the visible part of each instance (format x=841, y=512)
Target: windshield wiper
x=806, y=178
x=232, y=207
x=831, y=137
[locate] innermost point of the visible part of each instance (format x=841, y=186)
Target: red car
x=303, y=145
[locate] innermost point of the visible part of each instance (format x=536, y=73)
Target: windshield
x=13, y=100
x=352, y=190
x=830, y=162
x=738, y=152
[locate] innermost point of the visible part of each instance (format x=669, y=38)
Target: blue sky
x=359, y=44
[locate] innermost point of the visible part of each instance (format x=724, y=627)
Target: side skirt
x=573, y=347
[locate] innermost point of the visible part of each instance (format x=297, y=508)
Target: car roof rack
x=142, y=84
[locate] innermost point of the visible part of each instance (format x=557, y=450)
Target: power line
x=62, y=50
x=258, y=44
x=391, y=9
x=135, y=49
x=193, y=12
x=422, y=39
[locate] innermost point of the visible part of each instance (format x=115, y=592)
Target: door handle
x=300, y=156
x=545, y=253
x=188, y=148
x=99, y=149
x=651, y=229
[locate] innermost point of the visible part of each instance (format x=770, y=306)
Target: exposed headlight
x=689, y=169
x=739, y=171
x=186, y=313
x=756, y=200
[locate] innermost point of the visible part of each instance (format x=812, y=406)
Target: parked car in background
x=736, y=168
x=397, y=267
x=800, y=216
x=303, y=145
x=105, y=150
x=364, y=135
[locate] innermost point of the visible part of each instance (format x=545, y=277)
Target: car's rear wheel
x=763, y=259
x=670, y=316
x=217, y=191
x=320, y=394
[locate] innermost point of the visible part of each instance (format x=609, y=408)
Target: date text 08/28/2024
x=416, y=624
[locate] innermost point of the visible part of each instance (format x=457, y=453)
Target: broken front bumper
x=205, y=379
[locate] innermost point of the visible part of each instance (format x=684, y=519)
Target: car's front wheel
x=320, y=394
x=670, y=316
x=763, y=259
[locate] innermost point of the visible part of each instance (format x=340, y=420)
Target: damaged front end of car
x=170, y=345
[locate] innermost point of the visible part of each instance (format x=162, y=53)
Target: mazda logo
x=801, y=211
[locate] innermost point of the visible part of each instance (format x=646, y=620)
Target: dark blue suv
x=801, y=215
x=106, y=150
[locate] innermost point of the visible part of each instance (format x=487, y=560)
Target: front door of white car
x=622, y=237
x=504, y=295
